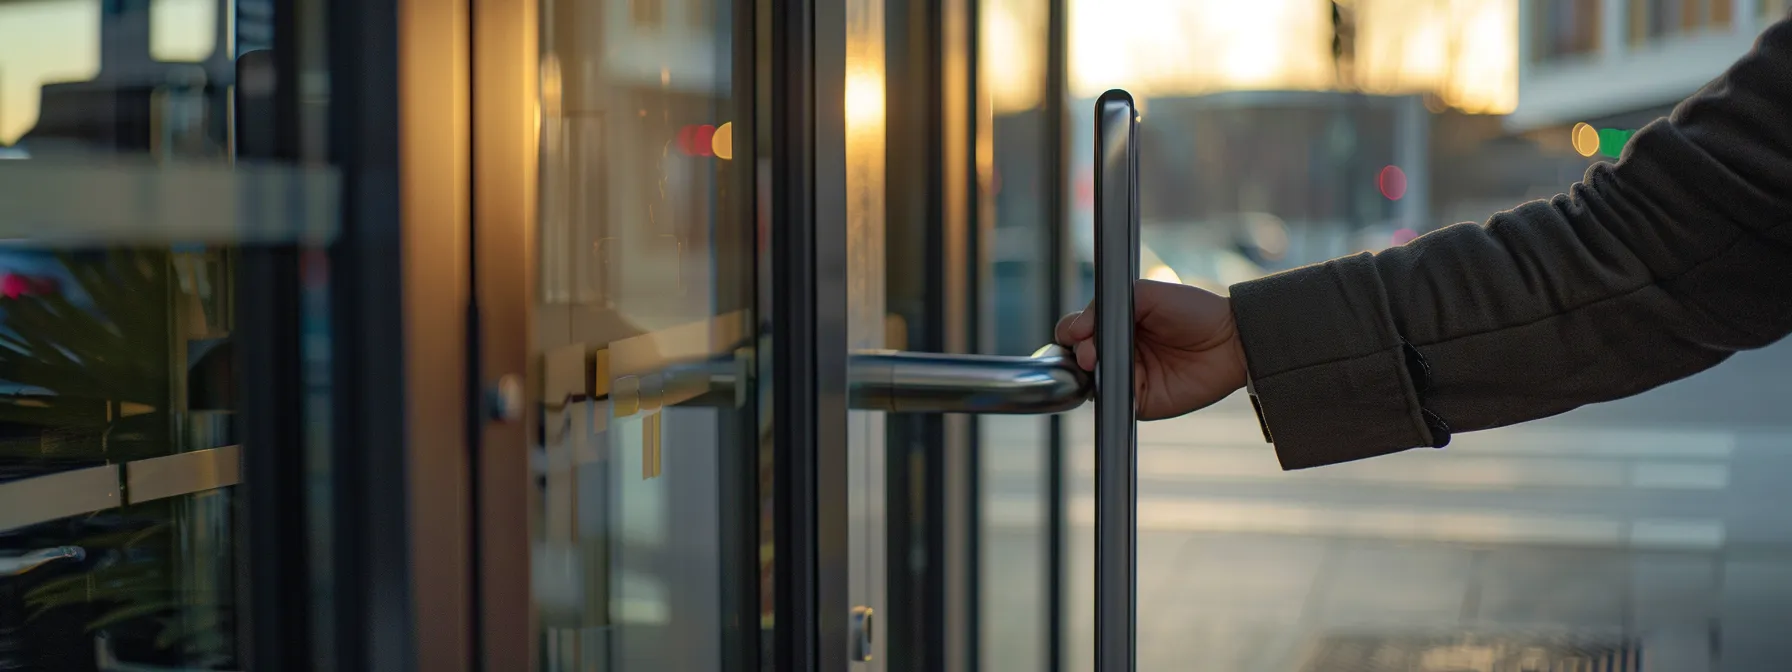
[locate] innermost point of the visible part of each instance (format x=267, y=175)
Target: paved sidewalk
x=1670, y=539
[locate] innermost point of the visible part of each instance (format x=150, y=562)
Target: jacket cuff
x=1334, y=381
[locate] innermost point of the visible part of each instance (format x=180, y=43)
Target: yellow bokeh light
x=1585, y=139
x=865, y=99
x=1163, y=273
x=722, y=142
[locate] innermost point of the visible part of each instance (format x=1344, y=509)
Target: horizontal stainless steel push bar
x=921, y=382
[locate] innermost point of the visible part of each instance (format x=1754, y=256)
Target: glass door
x=626, y=471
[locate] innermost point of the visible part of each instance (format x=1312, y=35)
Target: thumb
x=1076, y=327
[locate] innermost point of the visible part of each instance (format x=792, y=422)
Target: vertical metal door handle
x=1116, y=445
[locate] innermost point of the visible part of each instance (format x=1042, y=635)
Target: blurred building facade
x=1599, y=69
x=1625, y=62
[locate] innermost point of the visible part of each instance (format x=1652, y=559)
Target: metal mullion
x=1057, y=172
x=269, y=330
x=809, y=333
x=738, y=438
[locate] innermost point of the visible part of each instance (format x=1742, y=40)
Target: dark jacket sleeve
x=1645, y=272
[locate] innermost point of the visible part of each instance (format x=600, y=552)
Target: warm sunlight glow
x=1464, y=51
x=864, y=98
x=1163, y=274
x=1184, y=47
x=865, y=184
x=182, y=31
x=1012, y=59
x=45, y=41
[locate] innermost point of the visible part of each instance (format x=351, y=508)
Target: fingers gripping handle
x=1116, y=445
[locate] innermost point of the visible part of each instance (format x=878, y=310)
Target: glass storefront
x=135, y=192
x=519, y=335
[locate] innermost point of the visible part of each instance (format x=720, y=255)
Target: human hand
x=1186, y=349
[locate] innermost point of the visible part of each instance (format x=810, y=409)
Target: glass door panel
x=646, y=544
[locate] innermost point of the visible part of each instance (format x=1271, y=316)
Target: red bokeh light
x=695, y=140
x=1392, y=182
x=15, y=285
x=703, y=140
x=686, y=139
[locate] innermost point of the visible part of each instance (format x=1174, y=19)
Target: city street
x=1652, y=528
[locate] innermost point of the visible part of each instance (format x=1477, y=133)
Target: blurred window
x=1652, y=20
x=47, y=41
x=647, y=13
x=1566, y=28
x=180, y=31
x=697, y=13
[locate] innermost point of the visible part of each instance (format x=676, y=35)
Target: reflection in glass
x=119, y=519
x=118, y=375
x=1013, y=170
x=642, y=267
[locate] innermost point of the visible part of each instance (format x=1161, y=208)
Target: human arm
x=1648, y=271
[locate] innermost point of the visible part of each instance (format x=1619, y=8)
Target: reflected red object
x=702, y=141
x=687, y=138
x=1085, y=191
x=1392, y=182
x=14, y=285
x=695, y=140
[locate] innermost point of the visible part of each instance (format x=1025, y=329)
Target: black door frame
x=389, y=544
x=808, y=332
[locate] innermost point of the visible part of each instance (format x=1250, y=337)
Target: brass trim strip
x=60, y=495
x=183, y=473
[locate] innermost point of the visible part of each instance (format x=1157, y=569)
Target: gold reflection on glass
x=865, y=169
x=180, y=31
x=40, y=43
